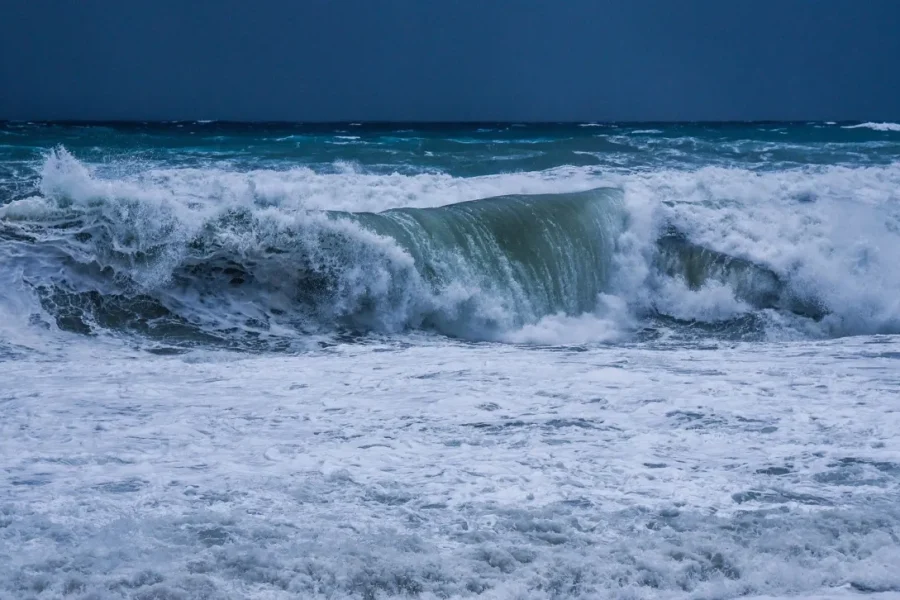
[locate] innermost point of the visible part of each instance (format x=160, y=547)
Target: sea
x=501, y=361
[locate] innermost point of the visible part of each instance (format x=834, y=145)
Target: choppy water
x=500, y=361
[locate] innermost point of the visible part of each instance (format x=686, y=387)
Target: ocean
x=501, y=361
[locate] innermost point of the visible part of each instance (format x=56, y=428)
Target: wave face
x=262, y=259
x=529, y=255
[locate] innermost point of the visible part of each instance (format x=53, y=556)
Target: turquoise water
x=461, y=150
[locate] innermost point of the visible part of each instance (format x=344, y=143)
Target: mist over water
x=533, y=361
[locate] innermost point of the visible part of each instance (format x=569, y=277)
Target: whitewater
x=449, y=361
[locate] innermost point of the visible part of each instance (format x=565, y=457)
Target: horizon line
x=361, y=122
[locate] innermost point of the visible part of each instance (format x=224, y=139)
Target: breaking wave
x=196, y=256
x=876, y=126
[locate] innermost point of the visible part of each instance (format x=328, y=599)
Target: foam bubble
x=611, y=322
x=711, y=303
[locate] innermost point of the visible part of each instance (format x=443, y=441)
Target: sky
x=446, y=60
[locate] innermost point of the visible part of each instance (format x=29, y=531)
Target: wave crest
x=876, y=126
x=253, y=257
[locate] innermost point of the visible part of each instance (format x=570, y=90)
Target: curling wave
x=114, y=255
x=98, y=259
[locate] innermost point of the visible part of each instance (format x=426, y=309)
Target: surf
x=192, y=256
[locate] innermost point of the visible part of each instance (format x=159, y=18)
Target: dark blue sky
x=433, y=60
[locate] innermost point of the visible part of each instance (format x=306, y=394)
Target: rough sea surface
x=484, y=361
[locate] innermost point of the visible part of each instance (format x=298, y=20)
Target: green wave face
x=535, y=255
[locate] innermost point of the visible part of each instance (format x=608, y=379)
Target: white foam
x=840, y=594
x=829, y=232
x=611, y=322
x=711, y=303
x=876, y=126
x=429, y=467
